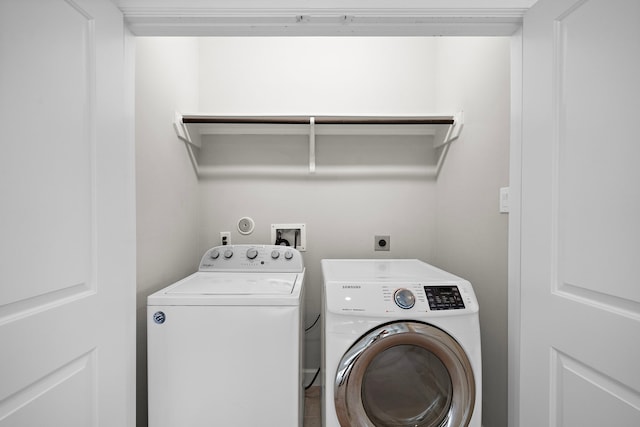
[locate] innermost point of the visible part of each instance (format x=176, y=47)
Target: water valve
x=294, y=235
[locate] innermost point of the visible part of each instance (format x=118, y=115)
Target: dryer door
x=405, y=374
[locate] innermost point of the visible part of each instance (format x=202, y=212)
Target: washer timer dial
x=252, y=253
x=404, y=298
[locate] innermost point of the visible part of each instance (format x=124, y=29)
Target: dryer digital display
x=444, y=297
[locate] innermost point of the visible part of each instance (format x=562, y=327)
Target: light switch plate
x=504, y=200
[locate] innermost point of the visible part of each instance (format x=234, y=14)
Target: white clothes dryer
x=401, y=346
x=224, y=344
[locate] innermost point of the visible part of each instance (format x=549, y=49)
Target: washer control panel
x=397, y=298
x=267, y=258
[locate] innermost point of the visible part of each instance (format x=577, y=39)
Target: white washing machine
x=401, y=346
x=225, y=343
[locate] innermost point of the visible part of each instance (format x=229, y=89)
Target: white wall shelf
x=443, y=129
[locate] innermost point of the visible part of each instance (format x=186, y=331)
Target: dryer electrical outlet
x=382, y=243
x=294, y=235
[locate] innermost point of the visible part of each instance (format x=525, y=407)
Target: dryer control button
x=252, y=253
x=404, y=298
x=214, y=254
x=228, y=253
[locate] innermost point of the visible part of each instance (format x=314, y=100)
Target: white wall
x=347, y=76
x=168, y=204
x=320, y=76
x=317, y=75
x=474, y=75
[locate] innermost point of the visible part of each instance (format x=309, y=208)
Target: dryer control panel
x=248, y=258
x=375, y=298
x=439, y=297
x=444, y=297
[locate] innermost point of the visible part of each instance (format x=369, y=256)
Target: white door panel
x=52, y=396
x=67, y=254
x=580, y=209
x=46, y=157
x=598, y=232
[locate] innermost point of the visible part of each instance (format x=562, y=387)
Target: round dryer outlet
x=246, y=225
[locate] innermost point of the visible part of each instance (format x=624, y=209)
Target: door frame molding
x=404, y=19
x=514, y=233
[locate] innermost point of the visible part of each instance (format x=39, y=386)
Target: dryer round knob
x=404, y=298
x=215, y=254
x=275, y=254
x=228, y=253
x=288, y=255
x=252, y=253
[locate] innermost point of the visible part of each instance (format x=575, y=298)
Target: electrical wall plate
x=246, y=225
x=285, y=234
x=504, y=200
x=382, y=243
x=225, y=238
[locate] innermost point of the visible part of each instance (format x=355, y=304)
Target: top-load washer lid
x=205, y=283
x=205, y=288
x=240, y=275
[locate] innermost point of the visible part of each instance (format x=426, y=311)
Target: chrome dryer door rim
x=457, y=408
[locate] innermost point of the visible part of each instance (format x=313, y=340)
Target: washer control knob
x=228, y=253
x=288, y=255
x=275, y=254
x=404, y=298
x=252, y=253
x=215, y=254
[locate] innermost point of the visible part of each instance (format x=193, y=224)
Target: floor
x=312, y=407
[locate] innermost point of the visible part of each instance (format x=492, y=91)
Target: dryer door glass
x=405, y=374
x=406, y=385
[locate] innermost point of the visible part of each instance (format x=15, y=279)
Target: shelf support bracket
x=312, y=145
x=453, y=132
x=182, y=131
